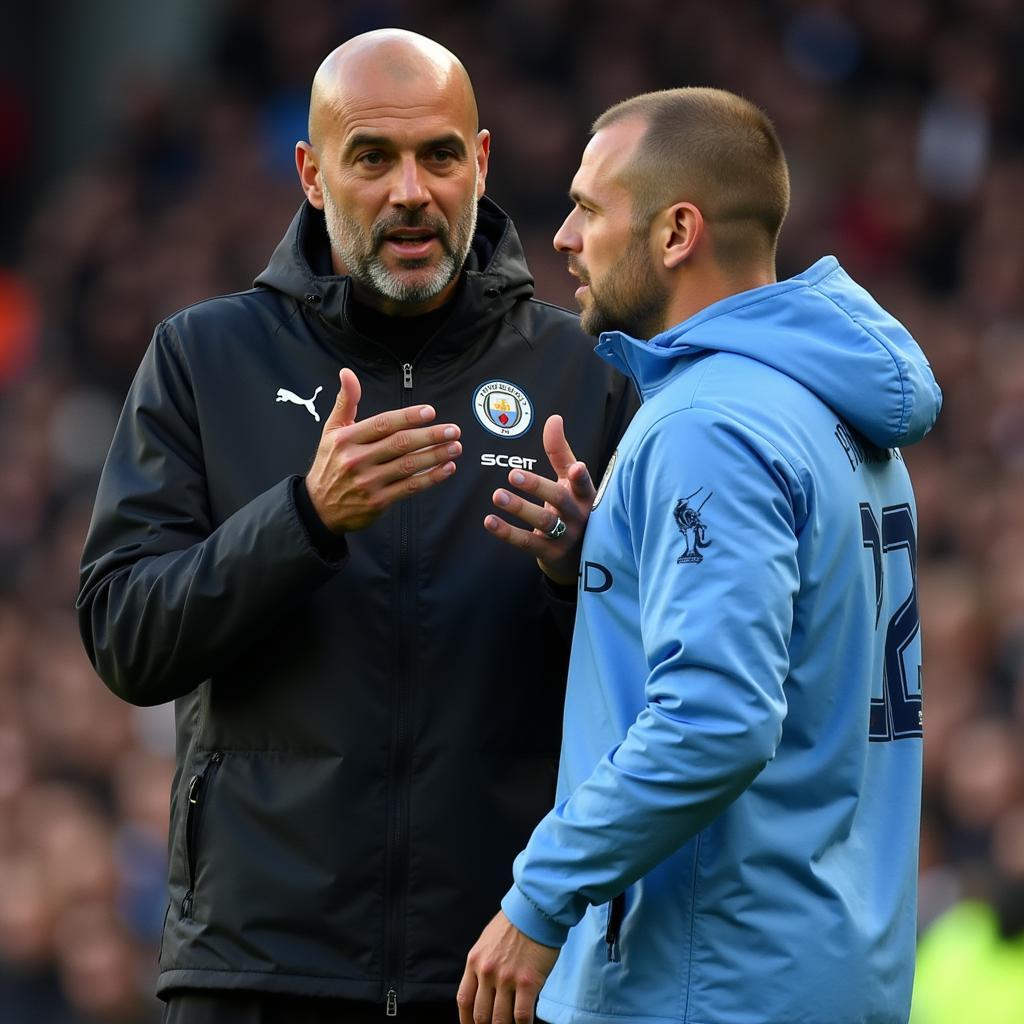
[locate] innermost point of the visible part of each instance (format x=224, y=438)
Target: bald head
x=397, y=163
x=387, y=68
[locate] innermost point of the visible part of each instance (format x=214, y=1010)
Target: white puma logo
x=284, y=395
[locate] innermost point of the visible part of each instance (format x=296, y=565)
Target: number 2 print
x=896, y=715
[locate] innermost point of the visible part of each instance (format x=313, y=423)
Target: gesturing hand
x=504, y=974
x=568, y=498
x=362, y=468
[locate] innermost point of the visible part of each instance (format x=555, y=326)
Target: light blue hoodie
x=742, y=748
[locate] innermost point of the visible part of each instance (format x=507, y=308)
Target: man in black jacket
x=368, y=689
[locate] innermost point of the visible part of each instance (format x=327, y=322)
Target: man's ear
x=483, y=153
x=307, y=165
x=680, y=231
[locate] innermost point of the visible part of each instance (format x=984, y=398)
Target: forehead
x=605, y=161
x=401, y=105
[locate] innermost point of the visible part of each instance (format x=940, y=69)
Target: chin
x=420, y=263
x=593, y=323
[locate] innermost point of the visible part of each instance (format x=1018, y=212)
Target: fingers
x=557, y=447
x=398, y=446
x=522, y=1011
x=346, y=405
x=466, y=995
x=581, y=484
x=537, y=517
x=417, y=461
x=382, y=439
x=471, y=996
x=483, y=1005
x=552, y=491
x=385, y=424
x=408, y=485
x=570, y=501
x=504, y=1000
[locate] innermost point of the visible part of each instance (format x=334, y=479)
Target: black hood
x=495, y=273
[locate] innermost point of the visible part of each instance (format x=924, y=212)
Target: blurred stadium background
x=146, y=162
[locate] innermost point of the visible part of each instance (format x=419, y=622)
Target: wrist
x=328, y=543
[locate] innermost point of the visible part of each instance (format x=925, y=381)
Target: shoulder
x=714, y=409
x=744, y=391
x=222, y=316
x=728, y=375
x=545, y=323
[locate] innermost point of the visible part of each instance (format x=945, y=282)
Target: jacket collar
x=495, y=277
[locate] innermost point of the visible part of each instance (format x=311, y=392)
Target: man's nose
x=408, y=188
x=567, y=238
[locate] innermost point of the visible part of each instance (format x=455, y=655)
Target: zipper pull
x=392, y=1003
x=407, y=376
x=616, y=912
x=193, y=788
x=186, y=905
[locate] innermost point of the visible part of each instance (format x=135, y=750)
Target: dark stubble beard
x=361, y=254
x=631, y=298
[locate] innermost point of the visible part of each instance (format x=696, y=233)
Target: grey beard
x=368, y=268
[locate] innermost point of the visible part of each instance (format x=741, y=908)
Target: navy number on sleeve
x=896, y=715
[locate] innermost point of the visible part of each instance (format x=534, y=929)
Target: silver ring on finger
x=558, y=529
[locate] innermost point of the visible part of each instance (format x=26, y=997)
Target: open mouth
x=412, y=243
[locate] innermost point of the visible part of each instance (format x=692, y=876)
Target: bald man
x=368, y=686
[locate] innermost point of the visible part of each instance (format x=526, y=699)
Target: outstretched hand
x=567, y=498
x=363, y=467
x=504, y=974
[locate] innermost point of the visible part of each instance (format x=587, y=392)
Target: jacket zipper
x=399, y=854
x=616, y=912
x=196, y=788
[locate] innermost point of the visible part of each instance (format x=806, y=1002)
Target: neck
x=703, y=287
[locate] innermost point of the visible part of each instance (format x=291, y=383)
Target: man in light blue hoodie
x=735, y=834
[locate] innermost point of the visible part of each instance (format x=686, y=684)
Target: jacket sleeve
x=715, y=637
x=167, y=597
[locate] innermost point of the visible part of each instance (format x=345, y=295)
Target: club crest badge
x=692, y=527
x=502, y=408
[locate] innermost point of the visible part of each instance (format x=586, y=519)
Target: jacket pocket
x=616, y=912
x=198, y=793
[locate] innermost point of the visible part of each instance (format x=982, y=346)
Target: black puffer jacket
x=363, y=746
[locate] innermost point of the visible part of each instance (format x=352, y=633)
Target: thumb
x=347, y=403
x=557, y=447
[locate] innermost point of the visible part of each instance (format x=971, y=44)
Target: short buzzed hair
x=716, y=150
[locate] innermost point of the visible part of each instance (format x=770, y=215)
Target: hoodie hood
x=495, y=273
x=820, y=328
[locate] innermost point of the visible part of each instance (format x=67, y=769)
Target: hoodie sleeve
x=715, y=636
x=167, y=597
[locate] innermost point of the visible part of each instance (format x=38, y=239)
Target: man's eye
x=442, y=156
x=372, y=159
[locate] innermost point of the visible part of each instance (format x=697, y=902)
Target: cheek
x=362, y=201
x=454, y=196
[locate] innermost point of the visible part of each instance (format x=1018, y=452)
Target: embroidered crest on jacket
x=692, y=527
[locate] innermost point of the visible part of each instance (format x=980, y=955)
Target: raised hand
x=567, y=500
x=361, y=468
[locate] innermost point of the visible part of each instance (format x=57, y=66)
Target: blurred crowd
x=904, y=127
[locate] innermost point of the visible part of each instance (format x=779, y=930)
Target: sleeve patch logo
x=692, y=527
x=502, y=408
